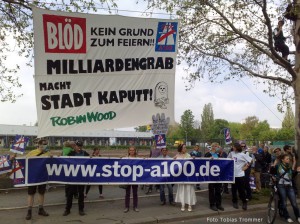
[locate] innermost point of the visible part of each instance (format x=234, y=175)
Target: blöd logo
x=64, y=34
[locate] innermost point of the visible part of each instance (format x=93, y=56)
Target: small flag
x=19, y=144
x=5, y=164
x=160, y=141
x=227, y=136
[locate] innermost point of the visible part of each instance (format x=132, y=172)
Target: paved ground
x=108, y=210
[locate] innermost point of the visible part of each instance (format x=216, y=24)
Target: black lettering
x=98, y=66
x=122, y=95
x=93, y=31
x=87, y=97
x=138, y=94
x=43, y=86
x=72, y=69
x=55, y=99
x=46, y=105
x=66, y=100
x=53, y=65
x=131, y=95
x=109, y=65
x=159, y=63
x=119, y=65
x=113, y=97
x=169, y=63
x=150, y=63
x=94, y=41
x=102, y=96
x=81, y=67
x=78, y=99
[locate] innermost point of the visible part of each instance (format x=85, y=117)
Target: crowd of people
x=249, y=163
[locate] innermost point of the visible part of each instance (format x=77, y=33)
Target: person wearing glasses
x=42, y=150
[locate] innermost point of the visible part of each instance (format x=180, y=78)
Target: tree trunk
x=296, y=87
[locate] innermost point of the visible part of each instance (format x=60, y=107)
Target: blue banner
x=86, y=170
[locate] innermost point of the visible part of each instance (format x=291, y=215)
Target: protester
x=196, y=154
x=289, y=151
x=214, y=189
x=73, y=189
x=132, y=153
x=154, y=153
x=68, y=146
x=96, y=153
x=223, y=154
x=164, y=154
x=241, y=162
x=185, y=192
x=257, y=166
x=247, y=173
x=267, y=159
x=279, y=40
x=276, y=154
x=42, y=150
x=285, y=187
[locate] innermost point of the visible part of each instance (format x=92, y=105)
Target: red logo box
x=64, y=34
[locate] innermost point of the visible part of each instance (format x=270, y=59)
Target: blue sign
x=160, y=141
x=85, y=170
x=166, y=37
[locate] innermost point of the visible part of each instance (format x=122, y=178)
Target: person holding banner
x=42, y=150
x=164, y=154
x=96, y=153
x=185, y=192
x=132, y=153
x=241, y=162
x=214, y=189
x=73, y=189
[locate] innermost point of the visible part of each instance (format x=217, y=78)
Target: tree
x=174, y=133
x=141, y=128
x=248, y=127
x=16, y=26
x=235, y=128
x=186, y=124
x=218, y=128
x=207, y=121
x=236, y=37
x=289, y=118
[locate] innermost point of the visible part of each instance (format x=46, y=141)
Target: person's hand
x=298, y=169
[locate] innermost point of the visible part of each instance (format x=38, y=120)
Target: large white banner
x=96, y=72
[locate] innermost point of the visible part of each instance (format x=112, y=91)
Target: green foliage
x=16, y=34
x=289, y=118
x=225, y=40
x=207, y=122
x=141, y=128
x=186, y=124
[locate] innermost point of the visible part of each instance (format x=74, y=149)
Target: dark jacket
x=259, y=162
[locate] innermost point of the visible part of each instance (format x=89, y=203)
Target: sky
x=232, y=100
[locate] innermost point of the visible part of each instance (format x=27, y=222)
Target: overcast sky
x=232, y=100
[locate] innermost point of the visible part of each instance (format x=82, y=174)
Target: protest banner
x=95, y=72
x=5, y=164
x=108, y=171
x=19, y=144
